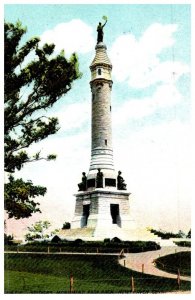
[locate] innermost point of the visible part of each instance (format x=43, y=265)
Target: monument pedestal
x=101, y=209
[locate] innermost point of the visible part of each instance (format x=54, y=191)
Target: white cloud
x=157, y=164
x=74, y=115
x=138, y=61
x=165, y=95
x=74, y=36
x=157, y=37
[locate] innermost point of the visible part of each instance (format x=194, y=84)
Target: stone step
x=125, y=234
x=112, y=231
x=78, y=233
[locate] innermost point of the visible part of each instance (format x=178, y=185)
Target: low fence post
x=142, y=268
x=121, y=253
x=132, y=285
x=178, y=279
x=48, y=250
x=71, y=283
x=24, y=283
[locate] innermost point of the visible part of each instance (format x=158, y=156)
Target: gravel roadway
x=145, y=260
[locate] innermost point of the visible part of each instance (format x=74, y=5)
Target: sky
x=149, y=46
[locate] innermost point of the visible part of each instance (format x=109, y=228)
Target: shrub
x=183, y=243
x=66, y=225
x=56, y=239
x=107, y=246
x=78, y=242
x=106, y=241
x=115, y=240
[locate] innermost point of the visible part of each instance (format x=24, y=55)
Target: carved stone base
x=102, y=208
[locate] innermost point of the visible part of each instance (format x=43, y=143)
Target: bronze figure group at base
x=121, y=185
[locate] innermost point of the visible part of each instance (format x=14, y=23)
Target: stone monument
x=104, y=204
x=102, y=208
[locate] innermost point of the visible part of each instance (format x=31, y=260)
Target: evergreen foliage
x=35, y=78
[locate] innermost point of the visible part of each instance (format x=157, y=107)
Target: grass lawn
x=42, y=273
x=171, y=263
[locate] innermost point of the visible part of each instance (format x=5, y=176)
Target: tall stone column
x=102, y=202
x=101, y=128
x=101, y=135
x=102, y=208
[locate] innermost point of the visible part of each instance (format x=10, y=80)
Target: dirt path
x=135, y=261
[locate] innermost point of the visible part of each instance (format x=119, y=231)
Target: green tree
x=18, y=197
x=30, y=90
x=38, y=231
x=55, y=231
